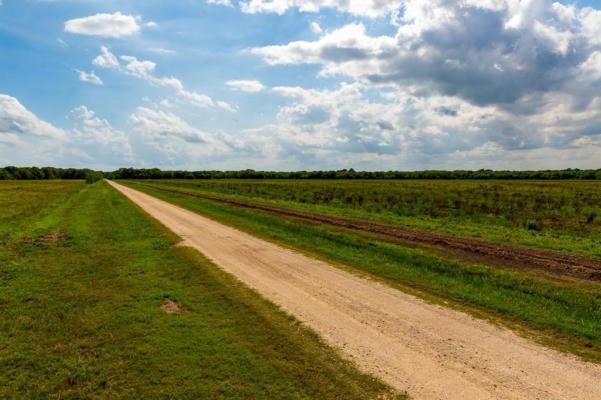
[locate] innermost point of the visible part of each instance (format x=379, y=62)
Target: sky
x=300, y=84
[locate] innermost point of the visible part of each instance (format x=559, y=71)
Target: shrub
x=93, y=176
x=532, y=225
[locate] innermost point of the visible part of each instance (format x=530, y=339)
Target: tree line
x=22, y=173
x=155, y=173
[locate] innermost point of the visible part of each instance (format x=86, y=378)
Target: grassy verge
x=82, y=288
x=481, y=225
x=564, y=315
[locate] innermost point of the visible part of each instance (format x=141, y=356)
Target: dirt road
x=430, y=351
x=466, y=249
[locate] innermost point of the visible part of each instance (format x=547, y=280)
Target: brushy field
x=557, y=215
x=565, y=315
x=84, y=278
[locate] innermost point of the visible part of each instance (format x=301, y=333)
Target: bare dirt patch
x=173, y=307
x=52, y=240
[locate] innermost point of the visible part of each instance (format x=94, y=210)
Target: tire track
x=495, y=254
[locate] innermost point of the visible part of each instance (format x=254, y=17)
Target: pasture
x=97, y=302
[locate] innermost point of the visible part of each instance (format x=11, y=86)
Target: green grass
x=565, y=315
x=83, y=275
x=559, y=215
x=22, y=200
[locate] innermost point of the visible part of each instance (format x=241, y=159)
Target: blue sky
x=300, y=84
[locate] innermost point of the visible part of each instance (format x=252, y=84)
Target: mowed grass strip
x=97, y=302
x=22, y=200
x=564, y=315
x=558, y=215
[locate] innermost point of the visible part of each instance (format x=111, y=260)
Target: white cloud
x=159, y=124
x=365, y=8
x=92, y=129
x=90, y=77
x=196, y=99
x=107, y=25
x=501, y=53
x=106, y=59
x=62, y=43
x=469, y=83
x=226, y=106
x=348, y=43
x=315, y=28
x=227, y=3
x=10, y=139
x=160, y=50
x=141, y=69
x=92, y=142
x=145, y=70
x=246, y=85
x=15, y=119
x=372, y=128
x=97, y=139
x=151, y=24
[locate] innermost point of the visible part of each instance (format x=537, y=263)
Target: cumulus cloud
x=16, y=120
x=459, y=84
x=365, y=8
x=157, y=124
x=97, y=136
x=10, y=139
x=106, y=59
x=354, y=122
x=145, y=69
x=341, y=46
x=141, y=69
x=315, y=28
x=107, y=25
x=221, y=2
x=226, y=106
x=93, y=129
x=246, y=85
x=90, y=77
x=92, y=141
x=486, y=54
x=469, y=80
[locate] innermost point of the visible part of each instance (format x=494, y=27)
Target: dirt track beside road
x=430, y=351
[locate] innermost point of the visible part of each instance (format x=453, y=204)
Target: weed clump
x=532, y=225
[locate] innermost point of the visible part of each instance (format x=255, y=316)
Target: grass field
x=566, y=315
x=558, y=215
x=84, y=276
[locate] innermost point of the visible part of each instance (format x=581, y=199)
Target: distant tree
x=93, y=176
